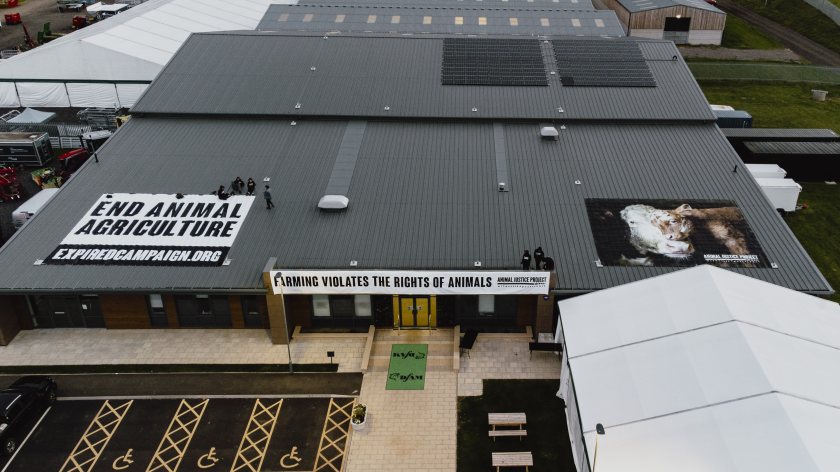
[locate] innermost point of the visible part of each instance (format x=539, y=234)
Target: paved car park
x=189, y=434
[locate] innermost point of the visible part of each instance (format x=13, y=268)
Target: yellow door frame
x=415, y=311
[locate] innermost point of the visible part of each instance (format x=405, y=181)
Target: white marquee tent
x=110, y=63
x=704, y=370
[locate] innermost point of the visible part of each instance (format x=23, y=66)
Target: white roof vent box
x=333, y=203
x=549, y=132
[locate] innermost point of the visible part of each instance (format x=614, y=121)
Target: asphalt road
x=34, y=14
x=810, y=50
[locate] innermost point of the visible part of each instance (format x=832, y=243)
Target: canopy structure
x=102, y=7
x=110, y=63
x=704, y=370
x=31, y=115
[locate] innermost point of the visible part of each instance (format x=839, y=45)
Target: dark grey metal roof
x=558, y=4
x=808, y=148
x=465, y=19
x=781, y=134
x=423, y=196
x=271, y=74
x=634, y=6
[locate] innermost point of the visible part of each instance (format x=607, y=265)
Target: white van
x=31, y=206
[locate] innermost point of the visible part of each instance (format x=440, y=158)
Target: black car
x=25, y=399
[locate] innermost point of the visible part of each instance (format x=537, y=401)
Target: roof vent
x=503, y=187
x=333, y=203
x=549, y=132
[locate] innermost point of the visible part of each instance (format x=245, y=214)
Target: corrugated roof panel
x=424, y=196
x=643, y=5
x=359, y=76
x=773, y=134
x=474, y=20
x=761, y=147
x=513, y=4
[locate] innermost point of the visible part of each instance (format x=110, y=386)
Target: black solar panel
x=473, y=61
x=601, y=64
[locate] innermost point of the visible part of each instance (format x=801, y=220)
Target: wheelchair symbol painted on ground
x=123, y=462
x=290, y=460
x=208, y=460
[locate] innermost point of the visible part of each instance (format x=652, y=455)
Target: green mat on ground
x=407, y=370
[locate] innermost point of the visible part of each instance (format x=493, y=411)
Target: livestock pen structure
x=680, y=21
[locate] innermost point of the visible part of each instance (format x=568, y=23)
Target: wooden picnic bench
x=512, y=459
x=496, y=433
x=506, y=419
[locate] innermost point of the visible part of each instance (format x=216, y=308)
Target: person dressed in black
x=236, y=186
x=251, y=186
x=539, y=255
x=267, y=195
x=526, y=260
x=548, y=263
x=221, y=193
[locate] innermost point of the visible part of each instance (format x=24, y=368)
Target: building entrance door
x=677, y=29
x=414, y=312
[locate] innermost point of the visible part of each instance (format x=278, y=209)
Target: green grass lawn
x=815, y=226
x=763, y=72
x=548, y=439
x=799, y=16
x=778, y=105
x=739, y=34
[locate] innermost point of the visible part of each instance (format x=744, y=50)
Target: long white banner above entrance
x=409, y=282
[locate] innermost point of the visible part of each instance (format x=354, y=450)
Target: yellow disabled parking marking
x=334, y=436
x=177, y=438
x=100, y=430
x=258, y=432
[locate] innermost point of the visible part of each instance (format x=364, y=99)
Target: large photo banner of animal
x=672, y=233
x=154, y=229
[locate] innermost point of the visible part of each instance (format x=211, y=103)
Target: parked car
x=24, y=400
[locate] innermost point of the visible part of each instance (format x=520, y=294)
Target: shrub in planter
x=358, y=416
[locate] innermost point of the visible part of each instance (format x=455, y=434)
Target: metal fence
x=62, y=135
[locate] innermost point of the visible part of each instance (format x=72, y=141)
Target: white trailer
x=782, y=193
x=766, y=171
x=28, y=209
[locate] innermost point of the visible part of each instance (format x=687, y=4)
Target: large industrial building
x=681, y=21
x=408, y=175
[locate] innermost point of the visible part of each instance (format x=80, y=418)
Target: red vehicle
x=10, y=188
x=70, y=161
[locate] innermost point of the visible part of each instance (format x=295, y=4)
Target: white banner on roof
x=154, y=229
x=409, y=282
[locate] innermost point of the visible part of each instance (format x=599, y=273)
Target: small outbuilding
x=680, y=21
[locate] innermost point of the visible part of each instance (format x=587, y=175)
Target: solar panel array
x=473, y=61
x=601, y=64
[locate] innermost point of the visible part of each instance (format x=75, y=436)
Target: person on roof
x=526, y=260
